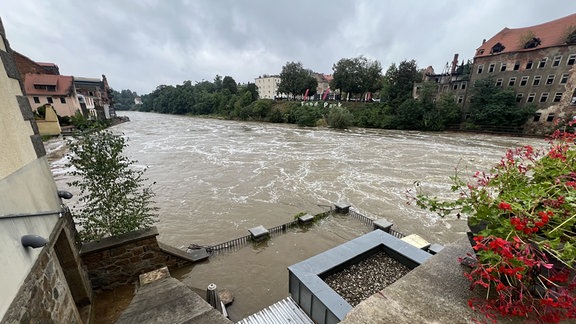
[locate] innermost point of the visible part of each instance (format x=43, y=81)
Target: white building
x=267, y=86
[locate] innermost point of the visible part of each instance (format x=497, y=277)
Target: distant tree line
x=394, y=108
x=222, y=97
x=124, y=100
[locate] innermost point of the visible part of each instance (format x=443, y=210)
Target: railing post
x=342, y=207
x=383, y=224
x=212, y=297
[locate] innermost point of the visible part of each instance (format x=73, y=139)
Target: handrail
x=55, y=212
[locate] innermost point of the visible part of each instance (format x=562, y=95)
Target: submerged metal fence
x=282, y=228
x=364, y=219
x=240, y=242
x=370, y=222
x=396, y=234
x=233, y=244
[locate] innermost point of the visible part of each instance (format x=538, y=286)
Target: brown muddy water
x=215, y=179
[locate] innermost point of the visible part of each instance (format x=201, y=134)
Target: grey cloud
x=140, y=44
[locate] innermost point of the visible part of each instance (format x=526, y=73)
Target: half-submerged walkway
x=163, y=299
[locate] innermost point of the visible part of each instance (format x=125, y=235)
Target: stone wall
x=44, y=297
x=50, y=294
x=117, y=261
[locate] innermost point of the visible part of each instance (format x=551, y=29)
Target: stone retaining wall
x=44, y=297
x=117, y=261
x=50, y=294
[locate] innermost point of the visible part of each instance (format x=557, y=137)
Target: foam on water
x=218, y=178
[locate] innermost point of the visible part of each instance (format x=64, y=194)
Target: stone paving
x=167, y=300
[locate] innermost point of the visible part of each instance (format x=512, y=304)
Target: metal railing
x=370, y=222
x=233, y=244
x=239, y=242
x=396, y=234
x=364, y=219
x=282, y=228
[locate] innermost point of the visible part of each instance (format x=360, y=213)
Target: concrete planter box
x=317, y=299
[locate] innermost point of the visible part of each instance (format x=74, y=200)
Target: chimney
x=454, y=64
x=2, y=31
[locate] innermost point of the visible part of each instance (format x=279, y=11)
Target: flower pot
x=474, y=230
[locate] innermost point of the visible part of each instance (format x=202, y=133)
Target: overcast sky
x=140, y=44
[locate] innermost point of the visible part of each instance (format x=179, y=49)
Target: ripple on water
x=215, y=179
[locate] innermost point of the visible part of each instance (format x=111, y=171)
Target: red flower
x=504, y=206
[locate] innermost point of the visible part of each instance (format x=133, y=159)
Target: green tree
x=492, y=105
x=113, y=196
x=124, y=100
x=410, y=115
x=295, y=79
x=439, y=113
x=448, y=110
x=220, y=97
x=250, y=87
x=399, y=82
x=218, y=83
x=229, y=83
x=311, y=84
x=356, y=76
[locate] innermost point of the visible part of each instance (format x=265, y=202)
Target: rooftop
x=548, y=34
x=47, y=84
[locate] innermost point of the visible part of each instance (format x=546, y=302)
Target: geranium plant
x=524, y=213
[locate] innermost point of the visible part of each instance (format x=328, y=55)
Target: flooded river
x=215, y=179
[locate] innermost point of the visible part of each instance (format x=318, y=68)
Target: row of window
x=544, y=97
x=45, y=87
x=455, y=86
x=537, y=116
x=535, y=82
x=50, y=100
x=556, y=61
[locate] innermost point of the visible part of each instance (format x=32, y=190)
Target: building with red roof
x=537, y=62
x=68, y=95
x=56, y=90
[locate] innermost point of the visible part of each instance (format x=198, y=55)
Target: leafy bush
x=276, y=115
x=82, y=123
x=340, y=117
x=306, y=115
x=261, y=108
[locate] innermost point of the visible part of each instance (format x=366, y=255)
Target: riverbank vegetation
x=359, y=78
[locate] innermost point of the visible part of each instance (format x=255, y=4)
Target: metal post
x=212, y=297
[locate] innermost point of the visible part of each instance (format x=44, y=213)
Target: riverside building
x=537, y=62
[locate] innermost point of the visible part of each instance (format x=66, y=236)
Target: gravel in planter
x=365, y=278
